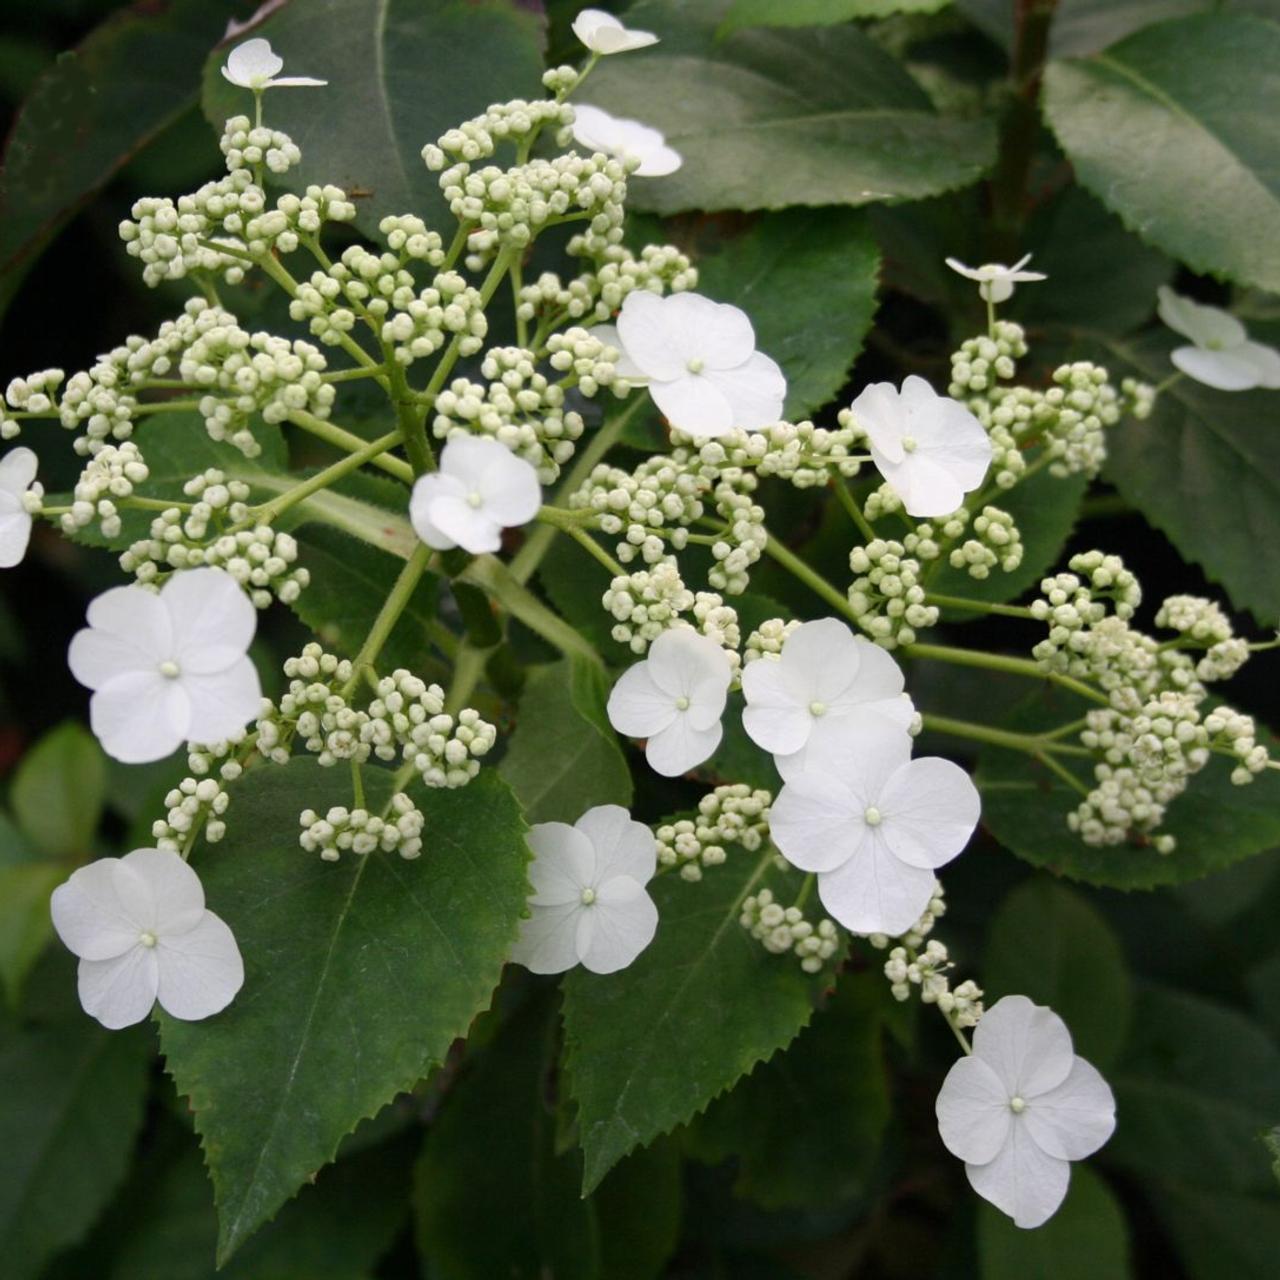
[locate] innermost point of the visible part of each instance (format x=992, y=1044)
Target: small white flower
x=142, y=933
x=597, y=130
x=624, y=365
x=168, y=668
x=875, y=825
x=700, y=357
x=995, y=280
x=255, y=65
x=1021, y=1107
x=1223, y=357
x=480, y=489
x=602, y=33
x=825, y=680
x=17, y=471
x=930, y=448
x=675, y=699
x=589, y=904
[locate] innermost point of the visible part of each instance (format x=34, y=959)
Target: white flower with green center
x=142, y=933
x=930, y=448
x=589, y=904
x=1222, y=357
x=255, y=65
x=675, y=699
x=602, y=33
x=17, y=473
x=168, y=668
x=480, y=489
x=1021, y=1107
x=628, y=140
x=700, y=359
x=874, y=825
x=995, y=280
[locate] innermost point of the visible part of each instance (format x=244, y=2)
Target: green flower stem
x=350, y=443
x=977, y=606
x=1001, y=662
x=136, y=503
x=567, y=522
x=270, y=511
x=413, y=425
x=850, y=504
x=517, y=283
x=468, y=667
x=350, y=375
x=1033, y=744
x=806, y=889
x=166, y=406
x=456, y=246
x=1064, y=774
x=357, y=786
x=389, y=614
x=813, y=580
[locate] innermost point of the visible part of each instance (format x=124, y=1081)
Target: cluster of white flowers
x=316, y=711
x=805, y=455
x=33, y=396
x=108, y=478
x=784, y=929
x=195, y=803
x=768, y=638
x=247, y=146
x=888, y=597
x=731, y=814
x=926, y=970
x=359, y=831
x=647, y=602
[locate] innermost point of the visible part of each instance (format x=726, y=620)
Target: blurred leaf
x=769, y=118
x=1153, y=127
x=366, y=130
x=25, y=925
x=638, y=1209
x=15, y=848
x=1086, y=26
x=1272, y=1141
x=1046, y=942
x=58, y=791
x=818, y=13
x=359, y=975
x=563, y=757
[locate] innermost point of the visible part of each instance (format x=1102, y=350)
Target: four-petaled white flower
x=1021, y=1107
x=142, y=933
x=874, y=824
x=995, y=280
x=626, y=139
x=930, y=448
x=589, y=904
x=168, y=668
x=825, y=680
x=17, y=471
x=700, y=358
x=1223, y=356
x=480, y=489
x=675, y=699
x=602, y=33
x=255, y=65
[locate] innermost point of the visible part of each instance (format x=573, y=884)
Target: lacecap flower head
x=629, y=140
x=602, y=33
x=255, y=65
x=995, y=280
x=17, y=472
x=1222, y=355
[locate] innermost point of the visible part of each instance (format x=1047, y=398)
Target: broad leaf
x=767, y=118
x=818, y=13
x=58, y=791
x=1086, y=26
x=1154, y=128
x=25, y=926
x=359, y=974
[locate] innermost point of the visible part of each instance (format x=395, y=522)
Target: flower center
x=170, y=669
x=1017, y=1104
x=588, y=897
x=696, y=365
x=474, y=499
x=872, y=816
x=1214, y=344
x=909, y=444
x=682, y=703
x=817, y=708
x=147, y=939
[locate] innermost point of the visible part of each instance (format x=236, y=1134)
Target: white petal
x=649, y=340
x=1205, y=326
x=160, y=891
x=973, y=1111
x=969, y=273
x=930, y=809
x=879, y=411
x=139, y=717
x=17, y=470
x=876, y=892
x=564, y=863
x=926, y=488
x=200, y=970
x=121, y=991
x=1022, y=1181
x=15, y=537
x=426, y=490
x=510, y=489
x=547, y=941
x=773, y=718
x=682, y=662
x=659, y=161
x=602, y=33
x=623, y=847
x=1073, y=1119
x=841, y=742
x=637, y=707
x=1027, y=1045
x=208, y=608
x=462, y=525
x=135, y=616
x=816, y=822
x=221, y=705
x=693, y=403
x=626, y=367
x=755, y=391
x=718, y=333
x=252, y=63
x=294, y=82
x=621, y=923
x=680, y=747
x=820, y=661
x=1222, y=370
x=89, y=916
x=1266, y=360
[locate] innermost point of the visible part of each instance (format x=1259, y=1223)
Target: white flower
x=602, y=33
x=1021, y=1107
x=874, y=824
x=589, y=904
x=627, y=139
x=675, y=699
x=17, y=471
x=168, y=668
x=254, y=65
x=142, y=933
x=624, y=365
x=1222, y=357
x=930, y=448
x=480, y=489
x=995, y=280
x=700, y=357
x=825, y=680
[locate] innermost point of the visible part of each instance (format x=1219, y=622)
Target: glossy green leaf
x=1154, y=128
x=25, y=926
x=773, y=117
x=818, y=13
x=1086, y=26
x=58, y=791
x=358, y=975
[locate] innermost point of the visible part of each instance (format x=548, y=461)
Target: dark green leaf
x=1272, y=1141
x=818, y=13
x=58, y=791
x=25, y=926
x=638, y=1209
x=738, y=758
x=1086, y=26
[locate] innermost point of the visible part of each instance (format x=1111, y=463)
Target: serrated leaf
x=58, y=791
x=359, y=974
x=649, y=1047
x=770, y=118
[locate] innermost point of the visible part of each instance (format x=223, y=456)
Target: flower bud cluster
x=422, y=323
x=1074, y=608
x=1137, y=398
x=998, y=542
x=1077, y=411
x=731, y=814
x=515, y=122
x=662, y=493
x=783, y=929
x=35, y=394
x=194, y=801
x=887, y=596
x=805, y=455
x=767, y=640
x=282, y=228
x=742, y=542
x=359, y=831
x=107, y=478
x=982, y=363
x=927, y=970
x=246, y=146
x=590, y=362
x=648, y=602
x=322, y=718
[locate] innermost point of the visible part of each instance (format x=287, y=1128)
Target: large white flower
x=17, y=471
x=168, y=668
x=602, y=33
x=255, y=65
x=142, y=933
x=480, y=489
x=930, y=448
x=1021, y=1107
x=874, y=824
x=1223, y=357
x=589, y=904
x=826, y=679
x=626, y=139
x=675, y=699
x=995, y=280
x=700, y=358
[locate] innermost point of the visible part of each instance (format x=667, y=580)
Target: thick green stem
x=1031, y=743
x=350, y=443
x=977, y=606
x=389, y=614
x=1001, y=662
x=412, y=419
x=270, y=511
